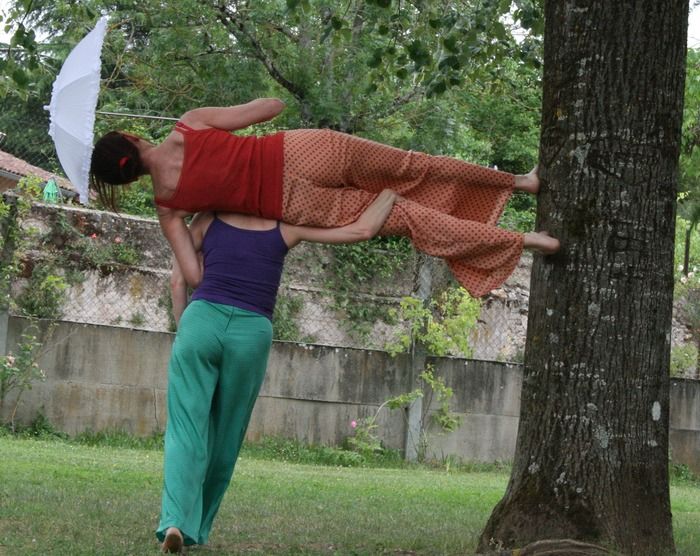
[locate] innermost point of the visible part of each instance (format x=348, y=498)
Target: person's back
x=242, y=267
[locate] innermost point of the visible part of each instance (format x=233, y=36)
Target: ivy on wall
x=359, y=266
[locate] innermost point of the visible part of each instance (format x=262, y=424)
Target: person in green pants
x=220, y=353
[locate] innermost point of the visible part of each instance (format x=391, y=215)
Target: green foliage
x=43, y=297
x=293, y=451
x=19, y=370
x=136, y=198
x=681, y=473
x=358, y=265
x=137, y=319
x=519, y=214
x=124, y=254
x=165, y=301
x=9, y=262
x=365, y=439
x=91, y=253
x=443, y=327
x=684, y=360
x=74, y=251
x=689, y=162
x=39, y=429
x=403, y=401
x=66, y=252
x=443, y=417
x=30, y=188
x=284, y=319
x=117, y=438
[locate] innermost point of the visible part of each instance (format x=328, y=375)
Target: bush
x=44, y=295
x=684, y=360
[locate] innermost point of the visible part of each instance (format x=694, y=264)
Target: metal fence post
x=4, y=321
x=414, y=413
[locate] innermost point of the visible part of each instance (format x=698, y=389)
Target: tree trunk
x=591, y=460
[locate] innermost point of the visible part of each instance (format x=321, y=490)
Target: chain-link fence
x=96, y=267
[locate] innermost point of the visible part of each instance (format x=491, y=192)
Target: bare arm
x=364, y=228
x=231, y=118
x=184, y=242
x=178, y=292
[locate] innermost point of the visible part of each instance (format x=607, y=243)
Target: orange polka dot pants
x=450, y=207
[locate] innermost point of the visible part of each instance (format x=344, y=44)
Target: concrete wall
x=101, y=377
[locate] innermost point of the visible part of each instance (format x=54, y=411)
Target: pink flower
x=117, y=239
x=353, y=424
x=93, y=236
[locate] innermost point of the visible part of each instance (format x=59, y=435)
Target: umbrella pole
x=122, y=114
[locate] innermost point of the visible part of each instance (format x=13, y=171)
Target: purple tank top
x=242, y=267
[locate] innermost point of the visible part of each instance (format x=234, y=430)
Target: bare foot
x=530, y=182
x=173, y=542
x=541, y=242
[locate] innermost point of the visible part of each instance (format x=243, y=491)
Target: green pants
x=216, y=368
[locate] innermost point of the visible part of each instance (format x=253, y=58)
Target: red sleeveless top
x=227, y=172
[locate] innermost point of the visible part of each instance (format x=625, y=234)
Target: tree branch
x=237, y=27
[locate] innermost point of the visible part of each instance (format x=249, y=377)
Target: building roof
x=12, y=167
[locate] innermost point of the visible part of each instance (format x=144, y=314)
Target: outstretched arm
x=231, y=118
x=364, y=228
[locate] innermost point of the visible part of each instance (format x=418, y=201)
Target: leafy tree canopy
x=444, y=77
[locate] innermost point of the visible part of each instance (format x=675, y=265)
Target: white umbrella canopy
x=72, y=108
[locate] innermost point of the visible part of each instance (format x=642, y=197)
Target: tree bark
x=591, y=460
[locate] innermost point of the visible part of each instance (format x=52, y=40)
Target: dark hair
x=115, y=161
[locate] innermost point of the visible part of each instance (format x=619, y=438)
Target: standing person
x=220, y=353
x=322, y=178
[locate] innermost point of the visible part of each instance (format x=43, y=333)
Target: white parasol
x=72, y=107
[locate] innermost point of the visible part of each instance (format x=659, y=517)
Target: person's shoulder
x=200, y=222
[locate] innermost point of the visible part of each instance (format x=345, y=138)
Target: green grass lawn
x=63, y=498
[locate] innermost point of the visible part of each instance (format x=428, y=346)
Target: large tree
x=591, y=459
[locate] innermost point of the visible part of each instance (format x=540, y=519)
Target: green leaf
x=419, y=54
x=376, y=59
x=337, y=23
x=437, y=88
x=20, y=77
x=327, y=31
x=452, y=62
x=451, y=43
